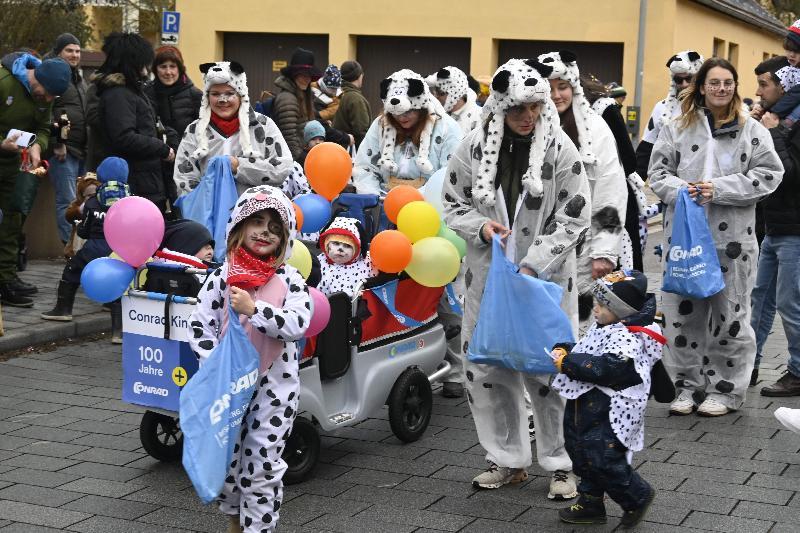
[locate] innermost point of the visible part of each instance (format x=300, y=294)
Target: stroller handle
x=168, y=267
x=160, y=297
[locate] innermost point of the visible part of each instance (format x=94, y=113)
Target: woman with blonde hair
x=728, y=163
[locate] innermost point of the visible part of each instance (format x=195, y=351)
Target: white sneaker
x=497, y=476
x=712, y=407
x=562, y=486
x=790, y=418
x=683, y=404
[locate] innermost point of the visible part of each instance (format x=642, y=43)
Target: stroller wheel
x=410, y=405
x=301, y=452
x=161, y=436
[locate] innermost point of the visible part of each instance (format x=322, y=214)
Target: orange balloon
x=390, y=251
x=328, y=167
x=298, y=215
x=398, y=198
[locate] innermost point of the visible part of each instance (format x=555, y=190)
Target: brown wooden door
x=380, y=56
x=262, y=55
x=603, y=60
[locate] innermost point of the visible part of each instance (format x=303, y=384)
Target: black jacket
x=73, y=103
x=782, y=207
x=177, y=105
x=94, y=214
x=127, y=128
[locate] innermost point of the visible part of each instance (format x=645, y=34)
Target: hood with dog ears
x=450, y=80
x=565, y=67
x=231, y=73
x=257, y=199
x=401, y=92
x=687, y=62
x=517, y=82
x=350, y=229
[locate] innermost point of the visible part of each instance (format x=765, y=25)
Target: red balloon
x=328, y=167
x=398, y=198
x=390, y=251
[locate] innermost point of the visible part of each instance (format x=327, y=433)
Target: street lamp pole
x=637, y=99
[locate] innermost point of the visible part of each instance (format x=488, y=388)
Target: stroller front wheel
x=410, y=405
x=161, y=436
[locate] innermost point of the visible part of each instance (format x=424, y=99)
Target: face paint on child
x=263, y=233
x=339, y=252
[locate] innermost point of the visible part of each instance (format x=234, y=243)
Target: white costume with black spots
x=253, y=489
x=296, y=183
x=711, y=344
x=453, y=81
x=552, y=212
x=264, y=157
x=347, y=277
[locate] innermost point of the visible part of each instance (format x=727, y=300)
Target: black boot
x=754, y=377
x=632, y=518
x=116, y=322
x=10, y=296
x=65, y=298
x=587, y=510
x=22, y=287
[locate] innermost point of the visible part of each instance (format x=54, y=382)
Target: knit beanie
x=624, y=292
x=113, y=169
x=793, y=32
x=55, y=75
x=186, y=236
x=351, y=70
x=331, y=79
x=313, y=129
x=64, y=40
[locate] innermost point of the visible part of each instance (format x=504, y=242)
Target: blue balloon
x=316, y=212
x=105, y=279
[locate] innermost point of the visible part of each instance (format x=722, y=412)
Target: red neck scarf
x=226, y=126
x=247, y=271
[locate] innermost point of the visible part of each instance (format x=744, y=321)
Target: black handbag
x=26, y=186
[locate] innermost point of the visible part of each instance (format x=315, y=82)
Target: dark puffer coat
x=177, y=105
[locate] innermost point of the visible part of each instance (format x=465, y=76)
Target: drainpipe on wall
x=637, y=100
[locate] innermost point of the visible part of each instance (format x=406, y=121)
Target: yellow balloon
x=434, y=262
x=301, y=258
x=418, y=220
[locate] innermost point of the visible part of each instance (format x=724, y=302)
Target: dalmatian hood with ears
x=453, y=81
x=403, y=91
x=565, y=67
x=231, y=73
x=517, y=82
x=686, y=63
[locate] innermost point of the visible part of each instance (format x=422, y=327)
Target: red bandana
x=226, y=127
x=247, y=271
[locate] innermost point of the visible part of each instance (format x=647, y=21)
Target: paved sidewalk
x=24, y=327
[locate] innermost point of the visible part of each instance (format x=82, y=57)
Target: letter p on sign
x=170, y=22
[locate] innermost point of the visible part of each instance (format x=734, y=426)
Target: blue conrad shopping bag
x=213, y=403
x=692, y=266
x=519, y=321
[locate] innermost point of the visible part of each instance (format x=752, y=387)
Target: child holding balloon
x=274, y=306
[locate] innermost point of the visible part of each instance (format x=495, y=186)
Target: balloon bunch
x=134, y=228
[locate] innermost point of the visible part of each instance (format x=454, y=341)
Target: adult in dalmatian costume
x=412, y=139
x=229, y=126
x=344, y=264
x=518, y=176
x=728, y=162
x=600, y=252
x=451, y=88
x=682, y=67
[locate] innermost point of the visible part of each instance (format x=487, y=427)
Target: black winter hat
x=302, y=61
x=186, y=236
x=62, y=41
x=623, y=291
x=351, y=70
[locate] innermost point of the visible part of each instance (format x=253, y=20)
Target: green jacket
x=18, y=110
x=354, y=115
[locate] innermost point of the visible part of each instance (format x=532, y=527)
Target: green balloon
x=450, y=235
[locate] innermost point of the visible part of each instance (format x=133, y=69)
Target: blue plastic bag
x=520, y=319
x=692, y=266
x=212, y=405
x=210, y=203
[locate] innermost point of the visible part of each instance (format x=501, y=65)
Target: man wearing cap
x=69, y=141
x=354, y=115
x=27, y=89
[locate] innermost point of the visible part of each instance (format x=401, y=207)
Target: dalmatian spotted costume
x=264, y=157
x=379, y=157
x=711, y=344
x=253, y=489
x=453, y=81
x=599, y=155
x=348, y=276
x=552, y=213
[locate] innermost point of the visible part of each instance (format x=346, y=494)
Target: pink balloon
x=134, y=228
x=320, y=312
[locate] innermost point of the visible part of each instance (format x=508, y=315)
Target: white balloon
x=432, y=190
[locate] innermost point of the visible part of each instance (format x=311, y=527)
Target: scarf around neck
x=227, y=127
x=247, y=271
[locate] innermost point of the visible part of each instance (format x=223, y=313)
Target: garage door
x=604, y=60
x=380, y=56
x=263, y=55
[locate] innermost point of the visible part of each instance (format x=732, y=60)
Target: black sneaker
x=22, y=287
x=587, y=510
x=632, y=518
x=787, y=385
x=754, y=377
x=13, y=298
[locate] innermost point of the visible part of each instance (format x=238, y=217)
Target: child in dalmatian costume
x=344, y=264
x=681, y=65
x=275, y=309
x=547, y=219
x=605, y=378
x=383, y=162
x=251, y=138
x=460, y=102
x=601, y=250
x=711, y=343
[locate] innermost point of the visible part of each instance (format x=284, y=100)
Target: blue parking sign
x=170, y=22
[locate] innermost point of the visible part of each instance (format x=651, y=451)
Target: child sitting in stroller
x=344, y=262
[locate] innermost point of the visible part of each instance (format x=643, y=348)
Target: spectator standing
x=354, y=115
x=294, y=104
x=27, y=89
